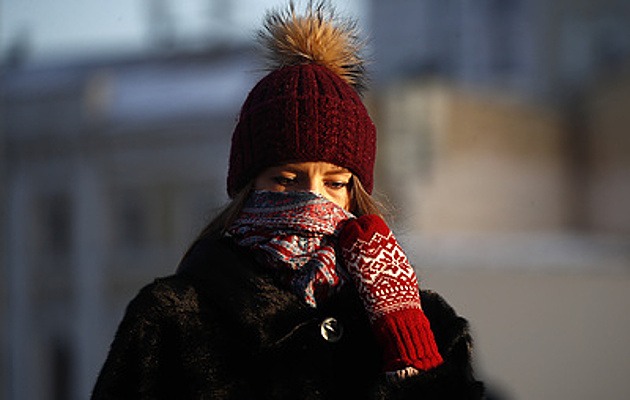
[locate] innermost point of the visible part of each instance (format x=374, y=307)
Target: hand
x=388, y=287
x=379, y=267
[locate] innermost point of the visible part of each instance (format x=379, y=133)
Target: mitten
x=388, y=287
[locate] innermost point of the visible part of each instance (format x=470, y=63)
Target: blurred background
x=504, y=154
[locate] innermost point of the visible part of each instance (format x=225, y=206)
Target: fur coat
x=223, y=328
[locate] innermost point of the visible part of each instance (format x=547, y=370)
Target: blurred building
x=535, y=48
x=504, y=116
x=110, y=168
x=501, y=147
x=486, y=170
x=499, y=113
x=505, y=155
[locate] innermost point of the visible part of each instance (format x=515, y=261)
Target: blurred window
x=145, y=217
x=132, y=220
x=61, y=369
x=55, y=211
x=504, y=16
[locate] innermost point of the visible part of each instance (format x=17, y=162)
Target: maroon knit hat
x=308, y=107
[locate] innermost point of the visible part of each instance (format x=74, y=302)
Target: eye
x=336, y=185
x=284, y=180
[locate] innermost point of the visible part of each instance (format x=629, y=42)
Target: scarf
x=295, y=233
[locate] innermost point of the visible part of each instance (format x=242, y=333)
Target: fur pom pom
x=318, y=36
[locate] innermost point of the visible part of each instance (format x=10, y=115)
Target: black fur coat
x=222, y=328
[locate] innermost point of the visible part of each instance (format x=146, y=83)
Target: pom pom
x=318, y=36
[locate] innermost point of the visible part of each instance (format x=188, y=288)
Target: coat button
x=331, y=330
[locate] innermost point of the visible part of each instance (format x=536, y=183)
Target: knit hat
x=308, y=108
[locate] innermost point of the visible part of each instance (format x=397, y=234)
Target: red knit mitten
x=388, y=288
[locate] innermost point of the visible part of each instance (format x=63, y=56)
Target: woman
x=298, y=289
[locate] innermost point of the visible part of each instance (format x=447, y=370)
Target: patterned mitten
x=388, y=288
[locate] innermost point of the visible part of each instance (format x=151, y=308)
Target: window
x=144, y=217
x=505, y=27
x=60, y=369
x=55, y=222
x=131, y=220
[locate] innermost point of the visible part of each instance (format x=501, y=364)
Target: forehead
x=321, y=167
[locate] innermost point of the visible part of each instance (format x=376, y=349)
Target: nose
x=312, y=185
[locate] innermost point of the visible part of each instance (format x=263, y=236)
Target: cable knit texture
x=389, y=289
x=302, y=113
x=308, y=108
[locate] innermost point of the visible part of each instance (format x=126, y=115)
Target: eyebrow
x=338, y=171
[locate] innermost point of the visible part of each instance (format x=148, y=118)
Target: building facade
x=110, y=170
x=534, y=48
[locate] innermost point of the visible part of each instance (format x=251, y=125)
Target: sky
x=70, y=28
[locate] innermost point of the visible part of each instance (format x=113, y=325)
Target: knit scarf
x=294, y=233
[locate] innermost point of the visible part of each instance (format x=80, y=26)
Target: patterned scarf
x=294, y=232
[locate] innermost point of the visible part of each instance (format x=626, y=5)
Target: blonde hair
x=361, y=202
x=222, y=221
